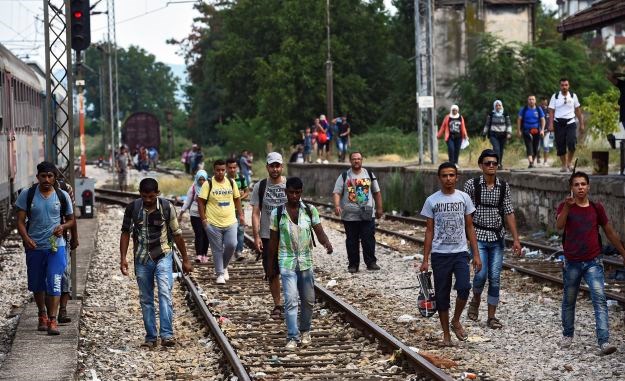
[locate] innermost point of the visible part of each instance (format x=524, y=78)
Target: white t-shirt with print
x=448, y=211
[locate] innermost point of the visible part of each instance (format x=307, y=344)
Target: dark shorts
x=266, y=264
x=444, y=266
x=45, y=270
x=566, y=136
x=531, y=143
x=323, y=146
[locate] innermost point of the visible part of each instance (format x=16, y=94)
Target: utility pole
x=112, y=119
x=425, y=80
x=329, y=73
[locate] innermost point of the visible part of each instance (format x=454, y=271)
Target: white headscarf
x=498, y=113
x=451, y=114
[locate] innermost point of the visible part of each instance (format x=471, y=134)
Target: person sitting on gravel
x=580, y=218
x=201, y=239
x=152, y=221
x=50, y=213
x=449, y=224
x=493, y=206
x=218, y=201
x=292, y=240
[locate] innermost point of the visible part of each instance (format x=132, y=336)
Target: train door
x=11, y=88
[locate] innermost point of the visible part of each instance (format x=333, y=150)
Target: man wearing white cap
x=267, y=195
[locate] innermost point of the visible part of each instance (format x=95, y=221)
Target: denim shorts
x=45, y=270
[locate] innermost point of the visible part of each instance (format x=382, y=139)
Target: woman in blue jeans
x=454, y=130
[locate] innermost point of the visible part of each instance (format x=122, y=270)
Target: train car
x=141, y=129
x=21, y=129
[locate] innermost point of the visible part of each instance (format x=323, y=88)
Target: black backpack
x=31, y=195
x=210, y=185
x=308, y=212
x=137, y=206
x=261, y=192
x=477, y=192
x=344, y=177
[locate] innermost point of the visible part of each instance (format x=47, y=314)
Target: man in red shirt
x=580, y=218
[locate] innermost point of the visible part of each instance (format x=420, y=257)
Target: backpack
x=137, y=206
x=477, y=188
x=261, y=192
x=523, y=111
x=31, y=195
x=490, y=118
x=210, y=185
x=308, y=212
x=344, y=176
x=557, y=94
x=322, y=137
x=594, y=206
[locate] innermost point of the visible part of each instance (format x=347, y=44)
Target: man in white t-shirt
x=563, y=108
x=449, y=225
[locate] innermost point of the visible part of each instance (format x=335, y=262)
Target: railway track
x=538, y=268
x=346, y=344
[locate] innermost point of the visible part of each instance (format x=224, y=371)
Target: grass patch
x=169, y=185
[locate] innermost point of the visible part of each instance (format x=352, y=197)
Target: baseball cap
x=274, y=157
x=487, y=153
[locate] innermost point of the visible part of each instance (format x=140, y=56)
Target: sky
x=146, y=23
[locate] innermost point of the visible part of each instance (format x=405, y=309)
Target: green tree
x=603, y=109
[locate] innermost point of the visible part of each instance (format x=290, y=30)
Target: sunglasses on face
x=490, y=163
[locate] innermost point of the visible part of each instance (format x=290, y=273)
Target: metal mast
x=112, y=119
x=329, y=73
x=59, y=82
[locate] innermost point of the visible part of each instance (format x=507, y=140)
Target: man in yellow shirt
x=217, y=201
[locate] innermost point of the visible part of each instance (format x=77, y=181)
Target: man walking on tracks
x=154, y=226
x=491, y=197
x=217, y=203
x=232, y=168
x=268, y=194
x=49, y=212
x=580, y=218
x=291, y=242
x=122, y=161
x=449, y=224
x=358, y=201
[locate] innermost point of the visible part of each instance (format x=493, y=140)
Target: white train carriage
x=21, y=129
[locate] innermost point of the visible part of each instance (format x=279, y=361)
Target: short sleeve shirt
x=45, y=215
x=564, y=106
x=356, y=191
x=582, y=231
x=241, y=182
x=448, y=212
x=531, y=117
x=295, y=248
x=220, y=210
x=275, y=195
x=487, y=213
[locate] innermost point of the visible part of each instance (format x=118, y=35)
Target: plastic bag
x=464, y=144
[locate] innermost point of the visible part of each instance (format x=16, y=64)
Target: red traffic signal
x=80, y=24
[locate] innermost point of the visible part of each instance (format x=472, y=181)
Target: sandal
x=473, y=311
x=494, y=323
x=459, y=332
x=276, y=313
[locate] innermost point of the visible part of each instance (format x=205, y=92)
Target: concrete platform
x=37, y=356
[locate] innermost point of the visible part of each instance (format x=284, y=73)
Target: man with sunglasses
x=563, y=108
x=491, y=197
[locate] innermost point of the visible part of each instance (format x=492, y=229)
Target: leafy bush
x=603, y=109
x=251, y=134
x=381, y=141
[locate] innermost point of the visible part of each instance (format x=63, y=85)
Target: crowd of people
x=317, y=140
x=553, y=122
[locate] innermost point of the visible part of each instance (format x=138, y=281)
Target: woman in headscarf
x=454, y=130
x=498, y=129
x=201, y=239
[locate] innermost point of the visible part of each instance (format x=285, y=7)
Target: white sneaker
x=566, y=342
x=306, y=339
x=319, y=161
x=325, y=162
x=291, y=345
x=220, y=280
x=226, y=275
x=607, y=348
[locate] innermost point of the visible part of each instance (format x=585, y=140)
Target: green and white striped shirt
x=295, y=248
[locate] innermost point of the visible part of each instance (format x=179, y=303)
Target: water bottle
x=551, y=139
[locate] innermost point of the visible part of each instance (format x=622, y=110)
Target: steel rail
x=213, y=325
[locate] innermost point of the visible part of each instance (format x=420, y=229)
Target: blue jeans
x=453, y=149
x=491, y=255
x=146, y=273
x=240, y=238
x=592, y=272
x=298, y=285
x=498, y=140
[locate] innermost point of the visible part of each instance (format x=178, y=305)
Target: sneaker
x=238, y=256
x=500, y=166
x=352, y=269
x=325, y=162
x=607, y=348
x=566, y=341
x=564, y=169
x=319, y=161
x=53, y=327
x=373, y=266
x=170, y=342
x=531, y=165
x=220, y=280
x=291, y=345
x=43, y=323
x=226, y=275
x=63, y=318
x=306, y=339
